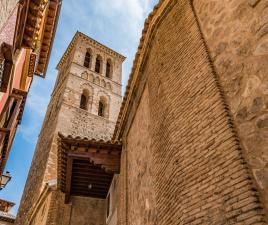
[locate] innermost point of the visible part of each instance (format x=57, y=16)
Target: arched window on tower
x=103, y=107
x=109, y=69
x=84, y=100
x=87, y=60
x=98, y=64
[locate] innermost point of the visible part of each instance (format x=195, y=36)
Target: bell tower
x=85, y=102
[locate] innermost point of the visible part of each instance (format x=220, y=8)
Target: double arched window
x=87, y=60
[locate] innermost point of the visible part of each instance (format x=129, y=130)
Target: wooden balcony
x=86, y=167
x=10, y=118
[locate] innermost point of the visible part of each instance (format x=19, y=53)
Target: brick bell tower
x=85, y=102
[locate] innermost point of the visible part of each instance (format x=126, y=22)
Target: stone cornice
x=149, y=27
x=90, y=40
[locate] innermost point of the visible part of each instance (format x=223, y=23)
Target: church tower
x=85, y=102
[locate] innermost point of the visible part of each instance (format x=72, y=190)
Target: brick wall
x=237, y=36
x=141, y=198
x=199, y=170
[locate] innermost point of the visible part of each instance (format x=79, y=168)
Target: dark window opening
x=87, y=60
x=83, y=102
x=108, y=70
x=101, y=109
x=98, y=65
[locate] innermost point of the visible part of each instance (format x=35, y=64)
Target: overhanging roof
x=86, y=167
x=28, y=28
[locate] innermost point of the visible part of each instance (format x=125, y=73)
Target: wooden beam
x=68, y=179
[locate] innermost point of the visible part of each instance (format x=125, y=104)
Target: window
x=87, y=59
x=108, y=69
x=83, y=102
x=98, y=64
x=101, y=109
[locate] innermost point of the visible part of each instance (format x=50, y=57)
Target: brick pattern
x=140, y=166
x=200, y=174
x=237, y=38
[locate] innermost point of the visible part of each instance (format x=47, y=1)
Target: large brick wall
x=199, y=174
x=237, y=36
x=141, y=207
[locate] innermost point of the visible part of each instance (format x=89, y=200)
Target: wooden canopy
x=38, y=21
x=86, y=167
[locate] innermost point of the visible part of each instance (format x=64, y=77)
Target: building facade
x=190, y=141
x=85, y=102
x=6, y=218
x=26, y=34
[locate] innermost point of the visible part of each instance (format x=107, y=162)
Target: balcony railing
x=10, y=117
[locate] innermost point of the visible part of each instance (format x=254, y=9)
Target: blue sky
x=117, y=24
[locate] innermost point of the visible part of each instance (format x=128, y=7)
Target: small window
x=83, y=102
x=108, y=70
x=87, y=59
x=98, y=64
x=101, y=109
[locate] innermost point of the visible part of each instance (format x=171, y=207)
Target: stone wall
x=6, y=7
x=237, y=36
x=87, y=211
x=200, y=175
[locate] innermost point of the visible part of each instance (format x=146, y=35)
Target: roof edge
x=77, y=35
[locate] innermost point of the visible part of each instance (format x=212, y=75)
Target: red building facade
x=26, y=38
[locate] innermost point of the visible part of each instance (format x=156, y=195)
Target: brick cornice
x=79, y=35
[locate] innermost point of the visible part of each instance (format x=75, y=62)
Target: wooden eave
x=86, y=167
x=49, y=33
x=33, y=16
